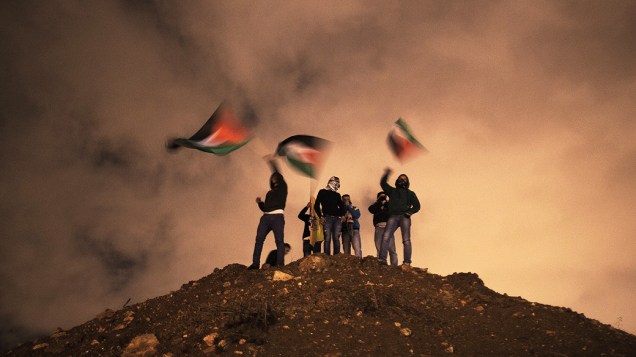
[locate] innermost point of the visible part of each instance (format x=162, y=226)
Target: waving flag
x=402, y=143
x=304, y=153
x=220, y=135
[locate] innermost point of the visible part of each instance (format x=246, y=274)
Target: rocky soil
x=335, y=306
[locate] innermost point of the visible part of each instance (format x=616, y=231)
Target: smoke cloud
x=527, y=110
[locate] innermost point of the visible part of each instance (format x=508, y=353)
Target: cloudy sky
x=527, y=108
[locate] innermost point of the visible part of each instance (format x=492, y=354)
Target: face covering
x=334, y=184
x=401, y=183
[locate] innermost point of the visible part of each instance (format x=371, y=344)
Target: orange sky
x=527, y=109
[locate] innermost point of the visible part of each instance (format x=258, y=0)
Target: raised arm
x=303, y=216
x=383, y=182
x=355, y=211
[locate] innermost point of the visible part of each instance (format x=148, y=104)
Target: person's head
x=381, y=196
x=346, y=199
x=287, y=248
x=334, y=183
x=274, y=180
x=402, y=181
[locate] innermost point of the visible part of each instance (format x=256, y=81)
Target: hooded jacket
x=380, y=211
x=402, y=200
x=277, y=195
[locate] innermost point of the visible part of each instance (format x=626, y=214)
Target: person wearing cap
x=273, y=218
x=380, y=211
x=329, y=208
x=402, y=205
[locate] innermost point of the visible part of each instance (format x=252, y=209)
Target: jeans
x=392, y=225
x=268, y=223
x=379, y=231
x=308, y=249
x=333, y=226
x=349, y=239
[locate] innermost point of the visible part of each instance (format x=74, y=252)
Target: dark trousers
x=308, y=249
x=268, y=223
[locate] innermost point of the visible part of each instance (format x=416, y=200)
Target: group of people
x=340, y=219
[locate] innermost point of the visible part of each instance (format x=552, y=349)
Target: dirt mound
x=335, y=306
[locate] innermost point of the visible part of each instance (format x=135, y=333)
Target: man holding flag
x=402, y=204
x=273, y=218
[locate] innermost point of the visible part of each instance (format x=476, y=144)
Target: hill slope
x=336, y=306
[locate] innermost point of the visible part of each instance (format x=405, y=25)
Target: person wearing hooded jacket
x=402, y=204
x=273, y=218
x=330, y=209
x=380, y=211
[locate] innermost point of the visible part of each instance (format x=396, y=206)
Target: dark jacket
x=380, y=212
x=277, y=195
x=271, y=258
x=329, y=203
x=304, y=216
x=401, y=200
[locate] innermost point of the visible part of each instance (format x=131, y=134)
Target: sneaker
x=252, y=267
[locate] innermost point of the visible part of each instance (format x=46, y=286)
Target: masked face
x=402, y=182
x=334, y=183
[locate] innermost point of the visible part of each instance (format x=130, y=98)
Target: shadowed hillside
x=335, y=306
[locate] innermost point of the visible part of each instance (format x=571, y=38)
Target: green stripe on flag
x=305, y=168
x=402, y=124
x=220, y=150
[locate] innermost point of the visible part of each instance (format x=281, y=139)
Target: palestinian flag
x=304, y=153
x=402, y=143
x=220, y=135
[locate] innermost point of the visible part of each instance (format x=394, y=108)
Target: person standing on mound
x=273, y=218
x=402, y=204
x=330, y=209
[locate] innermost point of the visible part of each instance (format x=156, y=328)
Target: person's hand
x=308, y=204
x=388, y=170
x=322, y=220
x=258, y=200
x=342, y=219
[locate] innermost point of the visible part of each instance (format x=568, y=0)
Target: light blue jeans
x=392, y=225
x=379, y=231
x=349, y=239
